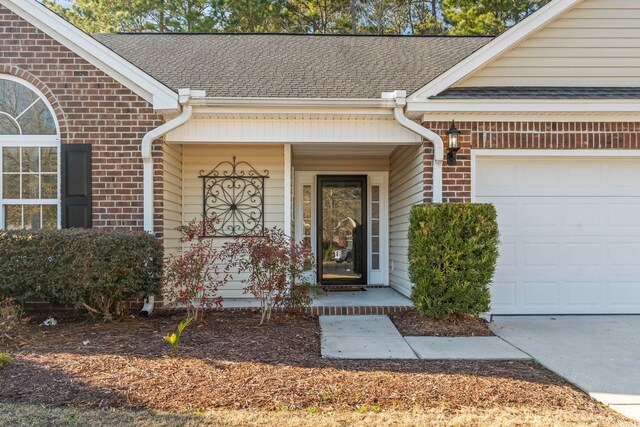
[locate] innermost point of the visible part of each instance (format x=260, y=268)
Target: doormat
x=343, y=288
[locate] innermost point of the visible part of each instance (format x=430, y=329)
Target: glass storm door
x=342, y=230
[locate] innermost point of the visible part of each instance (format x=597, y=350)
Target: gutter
x=400, y=97
x=295, y=102
x=184, y=97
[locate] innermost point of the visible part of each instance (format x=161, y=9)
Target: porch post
x=287, y=190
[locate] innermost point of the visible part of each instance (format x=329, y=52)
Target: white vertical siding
x=406, y=186
x=597, y=43
x=204, y=158
x=172, y=196
x=293, y=130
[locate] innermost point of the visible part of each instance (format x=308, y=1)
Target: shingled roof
x=292, y=66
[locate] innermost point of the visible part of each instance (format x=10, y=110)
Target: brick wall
x=91, y=108
x=520, y=135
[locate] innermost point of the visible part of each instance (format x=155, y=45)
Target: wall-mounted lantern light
x=453, y=135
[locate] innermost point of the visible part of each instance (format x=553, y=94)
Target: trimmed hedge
x=98, y=270
x=453, y=249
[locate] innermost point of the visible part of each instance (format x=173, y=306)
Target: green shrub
x=5, y=359
x=453, y=249
x=98, y=270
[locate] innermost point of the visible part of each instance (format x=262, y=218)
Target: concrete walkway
x=599, y=354
x=362, y=337
x=464, y=348
x=375, y=337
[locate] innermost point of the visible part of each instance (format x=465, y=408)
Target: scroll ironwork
x=233, y=199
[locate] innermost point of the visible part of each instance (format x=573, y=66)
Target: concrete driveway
x=599, y=354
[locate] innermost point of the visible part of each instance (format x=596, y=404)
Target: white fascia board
x=493, y=49
x=530, y=117
x=526, y=106
x=160, y=96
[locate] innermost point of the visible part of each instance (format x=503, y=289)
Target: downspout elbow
x=429, y=135
x=147, y=160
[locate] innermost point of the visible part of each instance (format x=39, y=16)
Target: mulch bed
x=231, y=362
x=412, y=323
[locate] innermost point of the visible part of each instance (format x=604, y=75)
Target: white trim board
x=493, y=49
x=556, y=117
x=539, y=106
x=85, y=46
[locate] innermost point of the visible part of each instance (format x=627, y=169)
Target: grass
x=20, y=415
x=5, y=359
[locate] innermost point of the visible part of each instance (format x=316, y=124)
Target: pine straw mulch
x=413, y=324
x=231, y=362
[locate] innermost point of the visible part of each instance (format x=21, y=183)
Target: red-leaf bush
x=274, y=265
x=193, y=276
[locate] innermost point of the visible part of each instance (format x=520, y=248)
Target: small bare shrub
x=11, y=319
x=275, y=265
x=192, y=277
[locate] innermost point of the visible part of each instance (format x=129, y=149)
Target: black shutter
x=76, y=185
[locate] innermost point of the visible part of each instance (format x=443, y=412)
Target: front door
x=342, y=229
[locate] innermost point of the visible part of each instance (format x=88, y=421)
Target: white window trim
x=32, y=141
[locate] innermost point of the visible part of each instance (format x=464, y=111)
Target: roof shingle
x=292, y=66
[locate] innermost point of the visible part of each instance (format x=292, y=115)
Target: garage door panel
x=585, y=294
x=624, y=254
x=577, y=176
x=498, y=179
x=623, y=177
x=503, y=294
x=624, y=294
x=569, y=242
x=508, y=254
x=584, y=254
x=624, y=215
x=539, y=177
x=540, y=293
x=540, y=215
x=540, y=255
x=581, y=215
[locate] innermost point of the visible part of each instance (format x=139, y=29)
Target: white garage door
x=570, y=233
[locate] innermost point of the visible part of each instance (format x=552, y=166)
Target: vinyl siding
x=349, y=163
x=172, y=196
x=597, y=43
x=199, y=158
x=293, y=130
x=406, y=188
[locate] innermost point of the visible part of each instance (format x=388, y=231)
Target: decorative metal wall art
x=233, y=200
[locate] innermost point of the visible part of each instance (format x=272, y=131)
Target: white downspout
x=400, y=96
x=185, y=96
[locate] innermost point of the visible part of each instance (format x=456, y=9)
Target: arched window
x=29, y=149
